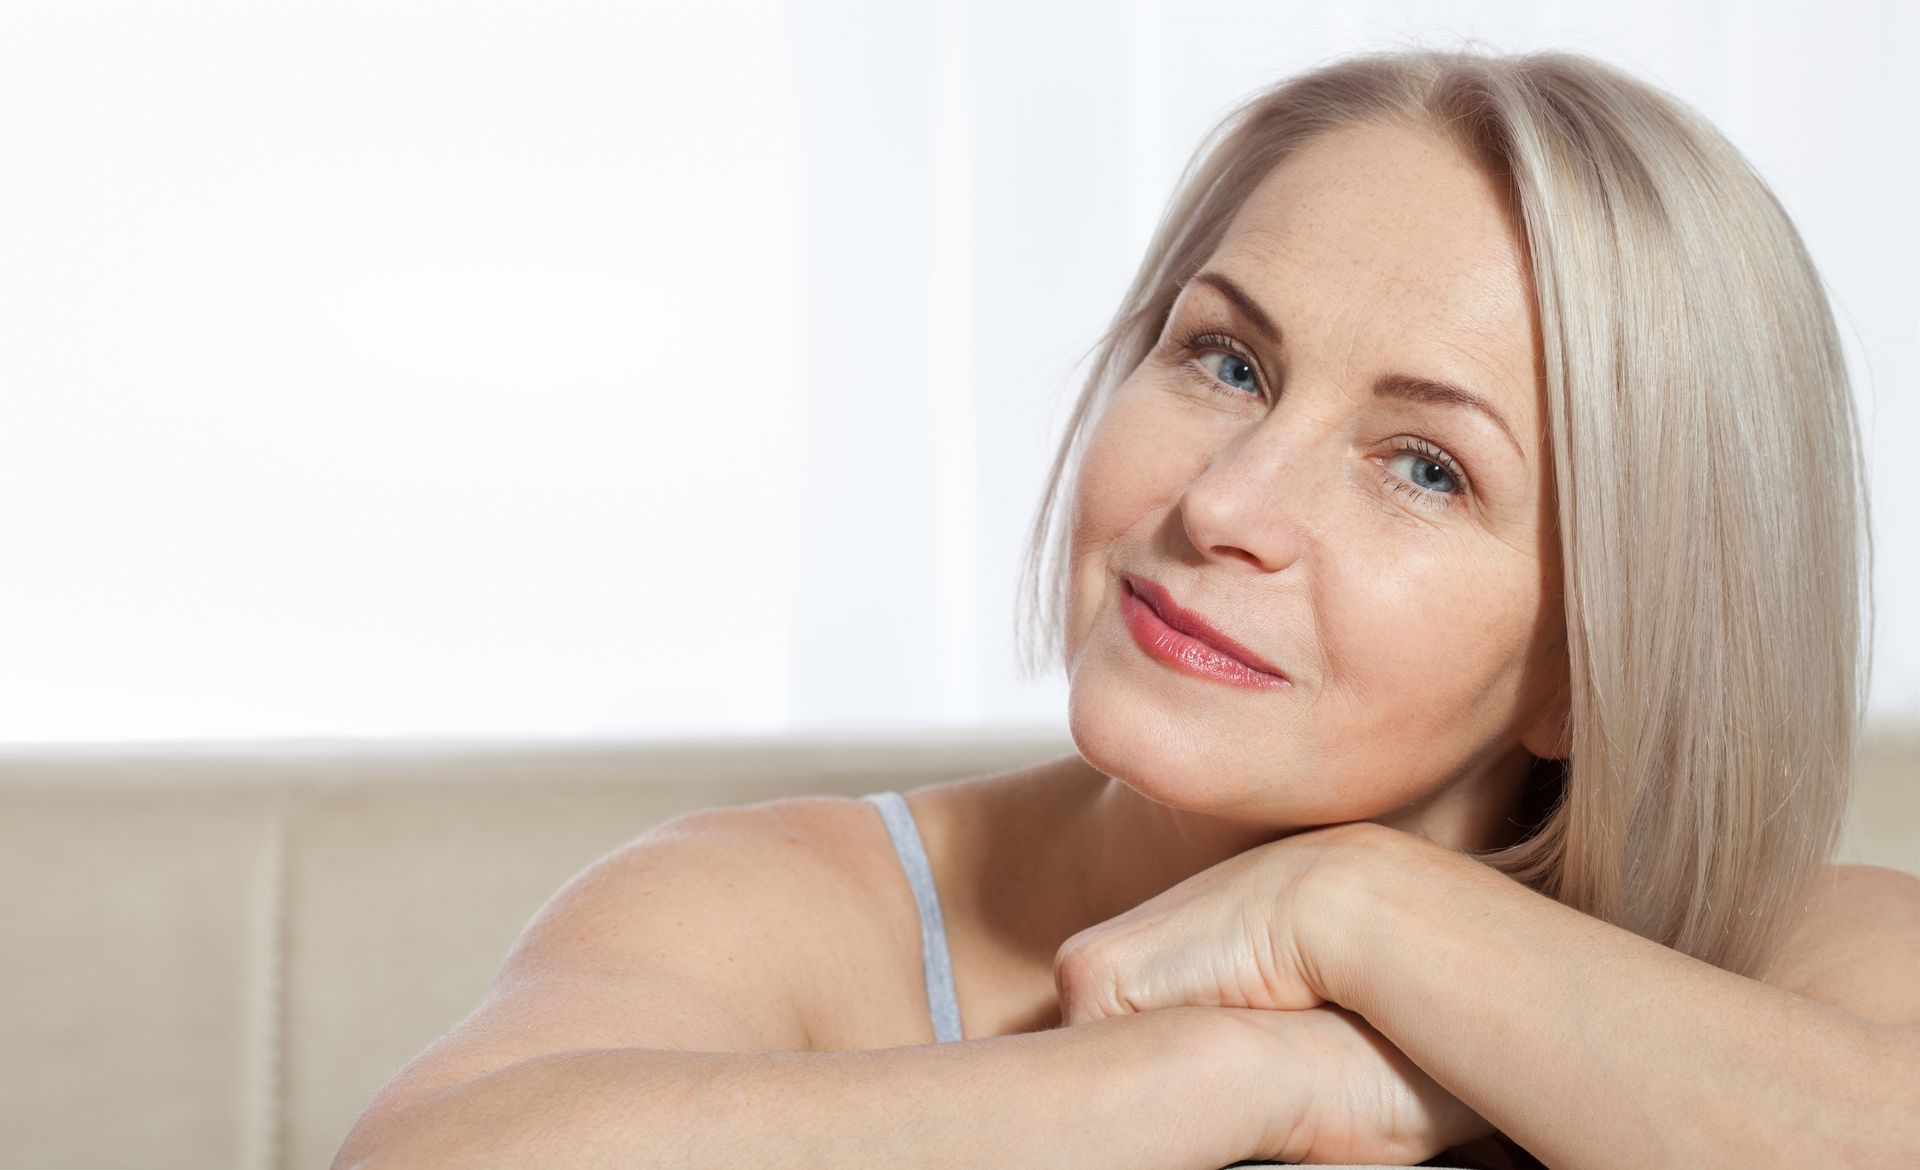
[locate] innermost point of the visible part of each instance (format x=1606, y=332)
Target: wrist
x=1346, y=922
x=1254, y=1081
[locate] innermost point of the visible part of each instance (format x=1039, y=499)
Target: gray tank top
x=942, y=1004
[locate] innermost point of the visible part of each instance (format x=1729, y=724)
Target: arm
x=1146, y=1091
x=655, y=1013
x=1596, y=1048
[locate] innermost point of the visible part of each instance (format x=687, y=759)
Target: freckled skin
x=1425, y=643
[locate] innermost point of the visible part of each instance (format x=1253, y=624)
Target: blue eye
x=1424, y=473
x=1234, y=366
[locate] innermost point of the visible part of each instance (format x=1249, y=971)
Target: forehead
x=1390, y=238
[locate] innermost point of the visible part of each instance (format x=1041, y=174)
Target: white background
x=586, y=369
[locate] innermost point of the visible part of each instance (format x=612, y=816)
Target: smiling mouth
x=1183, y=640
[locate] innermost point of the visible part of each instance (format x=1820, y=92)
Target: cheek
x=1130, y=477
x=1423, y=633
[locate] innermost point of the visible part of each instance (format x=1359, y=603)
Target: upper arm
x=684, y=939
x=1857, y=946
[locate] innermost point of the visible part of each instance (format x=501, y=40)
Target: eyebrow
x=1406, y=387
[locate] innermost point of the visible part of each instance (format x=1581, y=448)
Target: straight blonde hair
x=1709, y=489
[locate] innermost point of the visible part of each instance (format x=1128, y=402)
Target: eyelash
x=1204, y=341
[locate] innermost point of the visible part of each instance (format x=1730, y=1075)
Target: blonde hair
x=1709, y=489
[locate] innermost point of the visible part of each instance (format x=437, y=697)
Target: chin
x=1166, y=760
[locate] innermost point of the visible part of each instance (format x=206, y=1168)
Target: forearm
x=1594, y=1047
x=1139, y=1091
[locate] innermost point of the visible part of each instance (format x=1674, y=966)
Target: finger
x=1077, y=976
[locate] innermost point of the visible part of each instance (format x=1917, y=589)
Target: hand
x=1233, y=935
x=1357, y=1098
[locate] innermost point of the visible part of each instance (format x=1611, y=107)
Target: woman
x=1459, y=604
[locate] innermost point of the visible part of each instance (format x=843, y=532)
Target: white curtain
x=397, y=368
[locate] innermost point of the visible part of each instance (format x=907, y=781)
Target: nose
x=1255, y=501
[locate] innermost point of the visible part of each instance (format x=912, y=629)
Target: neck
x=1127, y=848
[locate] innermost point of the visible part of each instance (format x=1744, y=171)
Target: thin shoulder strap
x=942, y=1003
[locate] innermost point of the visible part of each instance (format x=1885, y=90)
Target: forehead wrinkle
x=1294, y=212
x=1306, y=230
x=1265, y=250
x=1480, y=336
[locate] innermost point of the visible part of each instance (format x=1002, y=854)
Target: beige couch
x=215, y=954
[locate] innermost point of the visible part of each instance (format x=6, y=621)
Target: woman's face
x=1284, y=466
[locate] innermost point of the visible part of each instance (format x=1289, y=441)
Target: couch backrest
x=214, y=955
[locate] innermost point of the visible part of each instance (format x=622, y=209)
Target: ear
x=1549, y=735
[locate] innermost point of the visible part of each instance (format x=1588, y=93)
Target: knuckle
x=1090, y=983
x=1078, y=968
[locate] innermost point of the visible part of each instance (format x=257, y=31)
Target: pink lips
x=1183, y=640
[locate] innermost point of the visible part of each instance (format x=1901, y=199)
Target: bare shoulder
x=1870, y=890
x=1856, y=943
x=1864, y=903
x=806, y=894
x=701, y=935
x=747, y=894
